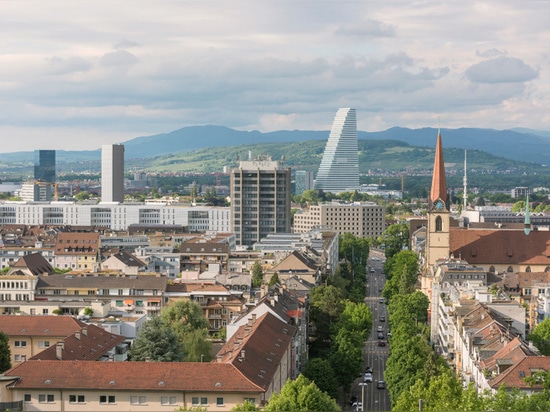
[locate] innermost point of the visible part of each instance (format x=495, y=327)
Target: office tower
x=339, y=168
x=44, y=166
x=303, y=180
x=112, y=173
x=260, y=200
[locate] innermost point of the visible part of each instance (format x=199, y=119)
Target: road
x=375, y=355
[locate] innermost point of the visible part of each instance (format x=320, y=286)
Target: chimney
x=242, y=354
x=219, y=359
x=237, y=344
x=85, y=331
x=147, y=359
x=253, y=318
x=77, y=335
x=59, y=350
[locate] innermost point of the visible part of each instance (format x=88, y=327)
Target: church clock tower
x=437, y=237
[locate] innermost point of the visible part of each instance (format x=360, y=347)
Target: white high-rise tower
x=112, y=173
x=339, y=168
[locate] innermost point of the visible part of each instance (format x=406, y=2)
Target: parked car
x=380, y=335
x=381, y=343
x=353, y=401
x=367, y=377
x=381, y=300
x=380, y=329
x=368, y=369
x=359, y=407
x=381, y=385
x=382, y=318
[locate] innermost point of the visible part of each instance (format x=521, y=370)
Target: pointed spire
x=439, y=182
x=527, y=223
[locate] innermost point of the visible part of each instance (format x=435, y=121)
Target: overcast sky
x=78, y=74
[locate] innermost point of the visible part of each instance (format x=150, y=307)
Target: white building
x=339, y=168
x=116, y=216
x=112, y=173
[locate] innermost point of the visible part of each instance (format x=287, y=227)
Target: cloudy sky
x=78, y=74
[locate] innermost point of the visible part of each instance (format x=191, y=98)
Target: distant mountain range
x=523, y=145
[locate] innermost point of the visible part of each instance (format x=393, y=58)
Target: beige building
x=362, y=219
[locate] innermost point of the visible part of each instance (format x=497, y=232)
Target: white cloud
x=131, y=68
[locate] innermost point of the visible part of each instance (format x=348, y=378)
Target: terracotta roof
x=514, y=375
x=185, y=287
x=439, y=182
x=500, y=246
x=77, y=243
x=28, y=325
x=158, y=376
x=257, y=348
x=89, y=343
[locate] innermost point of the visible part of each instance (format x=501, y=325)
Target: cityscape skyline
x=73, y=79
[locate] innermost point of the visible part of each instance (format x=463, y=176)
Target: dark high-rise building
x=44, y=166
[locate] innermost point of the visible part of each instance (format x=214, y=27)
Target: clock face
x=438, y=205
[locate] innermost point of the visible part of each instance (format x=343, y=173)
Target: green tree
x=518, y=206
x=356, y=317
x=197, y=346
x=274, y=279
x=395, y=238
x=5, y=352
x=257, y=274
x=320, y=371
x=157, y=342
x=301, y=395
x=541, y=337
x=245, y=406
x=81, y=196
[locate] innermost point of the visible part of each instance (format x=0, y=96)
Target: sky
x=78, y=74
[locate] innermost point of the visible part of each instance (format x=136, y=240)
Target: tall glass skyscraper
x=112, y=173
x=339, y=168
x=44, y=166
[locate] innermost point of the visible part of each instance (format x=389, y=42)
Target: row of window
x=134, y=399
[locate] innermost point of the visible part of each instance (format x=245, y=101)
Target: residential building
x=362, y=219
x=112, y=173
x=296, y=263
x=77, y=251
x=260, y=193
x=44, y=166
x=519, y=192
x=339, y=168
x=123, y=262
x=30, y=335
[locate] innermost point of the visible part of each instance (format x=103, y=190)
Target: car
x=353, y=401
x=380, y=328
x=372, y=270
x=381, y=300
x=381, y=343
x=359, y=407
x=379, y=289
x=388, y=334
x=368, y=369
x=380, y=335
x=367, y=377
x=380, y=385
x=382, y=318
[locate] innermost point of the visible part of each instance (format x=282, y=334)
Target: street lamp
x=362, y=384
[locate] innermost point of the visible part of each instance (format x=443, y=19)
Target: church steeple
x=439, y=183
x=527, y=223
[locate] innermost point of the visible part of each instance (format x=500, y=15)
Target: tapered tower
x=339, y=168
x=438, y=236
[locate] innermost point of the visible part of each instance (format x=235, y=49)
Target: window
x=107, y=399
x=168, y=400
x=438, y=224
x=219, y=401
x=45, y=311
x=195, y=401
x=20, y=344
x=43, y=398
x=44, y=344
x=251, y=400
x=77, y=399
x=27, y=397
x=138, y=400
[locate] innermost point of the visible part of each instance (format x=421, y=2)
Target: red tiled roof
x=90, y=343
x=159, y=376
x=513, y=377
x=28, y=325
x=500, y=246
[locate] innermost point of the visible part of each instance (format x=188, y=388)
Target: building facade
x=44, y=166
x=362, y=219
x=260, y=200
x=112, y=173
x=339, y=168
x=303, y=180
